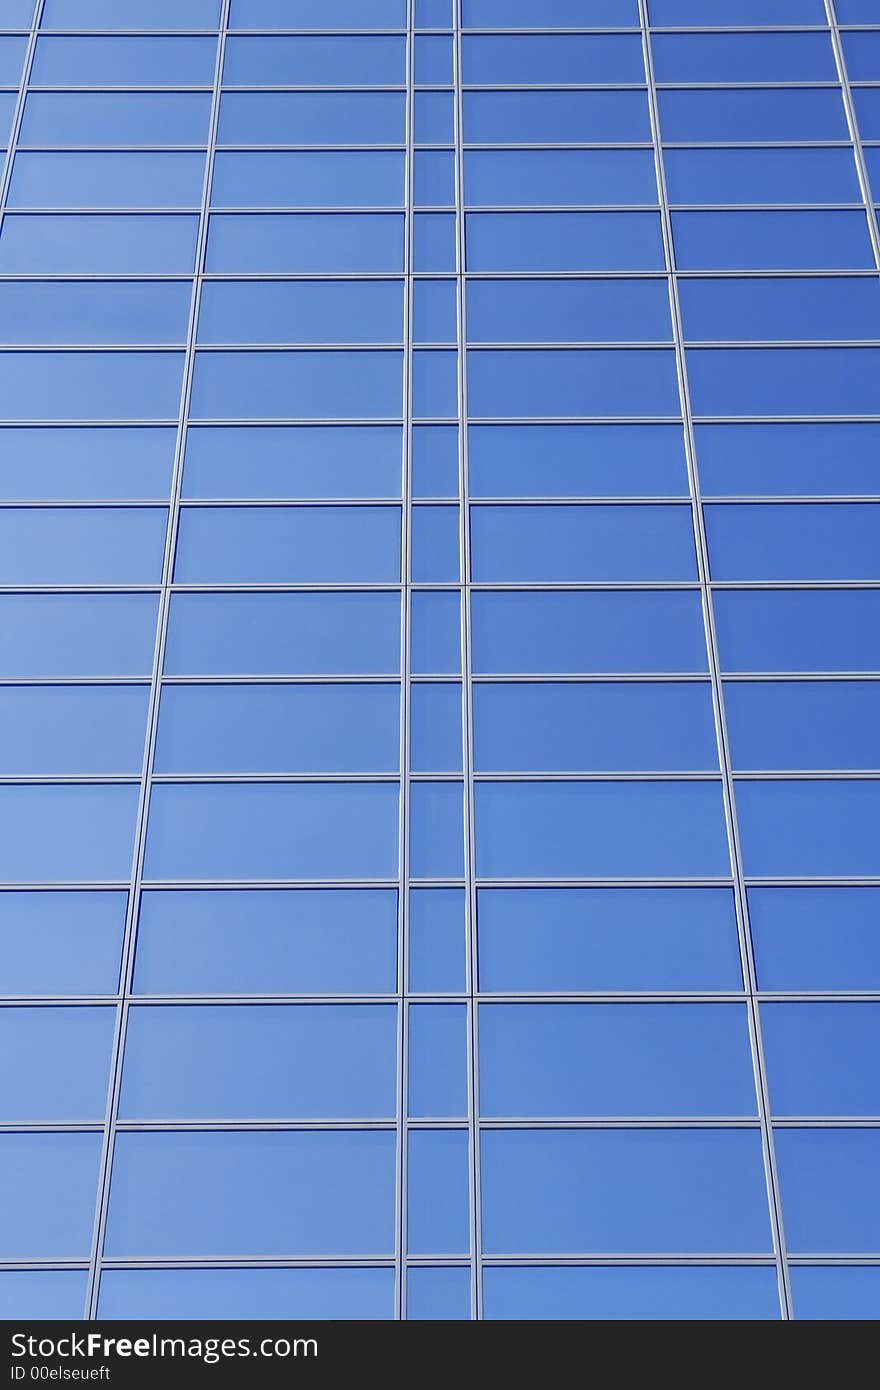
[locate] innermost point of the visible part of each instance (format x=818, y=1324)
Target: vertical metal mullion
x=18, y=112
x=405, y=724
x=702, y=551
x=124, y=993
x=472, y=965
x=855, y=134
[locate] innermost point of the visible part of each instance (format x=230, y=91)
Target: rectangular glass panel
x=273, y=831
x=237, y=1062
x=308, y=461
x=600, y=829
x=302, y=545
x=168, y=1295
x=61, y=943
x=249, y=941
x=634, y=1059
x=269, y=1193
x=626, y=1191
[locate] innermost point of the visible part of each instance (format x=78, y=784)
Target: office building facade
x=440, y=658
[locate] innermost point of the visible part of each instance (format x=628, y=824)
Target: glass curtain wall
x=440, y=658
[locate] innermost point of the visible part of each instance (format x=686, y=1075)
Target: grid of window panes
x=440, y=658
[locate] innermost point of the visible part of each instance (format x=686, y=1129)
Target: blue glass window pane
x=624, y=1191
x=434, y=178
x=312, y=118
x=436, y=835
x=43, y=1294
x=434, y=241
x=169, y=1295
x=567, y=311
x=433, y=14
x=273, y=830
x=761, y=115
x=435, y=545
x=308, y=179
x=793, y=541
x=435, y=640
x=62, y=1063
x=12, y=51
x=278, y=728
x=223, y=1061
x=867, y=105
x=435, y=728
x=317, y=14
x=315, y=61
x=600, y=829
x=307, y=243
x=513, y=118
x=305, y=311
x=573, y=382
x=438, y=1295
x=437, y=1192
x=61, y=943
x=17, y=13
x=569, y=544
x=817, y=1058
x=828, y=1179
x=576, y=460
x=797, y=175
x=810, y=828
x=433, y=118
x=842, y=1293
x=145, y=14
x=559, y=178
x=90, y=385
x=806, y=631
x=297, y=385
x=735, y=310
x=265, y=1193
x=434, y=463
x=50, y=1182
x=548, y=939
x=855, y=11
x=119, y=244
x=434, y=311
x=437, y=1060
x=103, y=463
x=145, y=61
x=80, y=545
x=593, y=728
x=295, y=941
x=743, y=57
x=656, y=1059
x=283, y=634
x=66, y=730
x=313, y=545
x=802, y=724
x=757, y=12
x=108, y=179
x=862, y=55
x=778, y=241
x=816, y=938
x=66, y=833
x=784, y=381
x=795, y=459
x=434, y=384
x=72, y=312
x=77, y=634
x=134, y=118
x=623, y=1293
x=433, y=58
x=587, y=632
x=554, y=14
x=300, y=461
x=547, y=58
x=564, y=241
x=436, y=940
